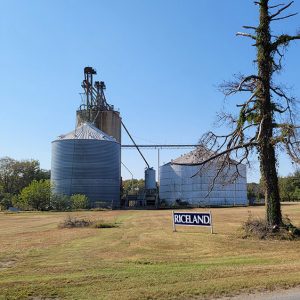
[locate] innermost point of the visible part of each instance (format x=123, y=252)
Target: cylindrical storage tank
x=87, y=161
x=108, y=121
x=192, y=185
x=150, y=182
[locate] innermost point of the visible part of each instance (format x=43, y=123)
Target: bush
x=61, y=202
x=79, y=201
x=72, y=222
x=258, y=228
x=18, y=203
x=36, y=196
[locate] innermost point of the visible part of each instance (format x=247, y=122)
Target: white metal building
x=178, y=183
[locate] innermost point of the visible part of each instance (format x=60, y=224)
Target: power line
x=161, y=146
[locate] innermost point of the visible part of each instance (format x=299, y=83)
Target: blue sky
x=161, y=60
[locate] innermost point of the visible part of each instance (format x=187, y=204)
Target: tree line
x=25, y=185
x=289, y=188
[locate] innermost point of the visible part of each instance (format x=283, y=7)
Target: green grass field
x=142, y=258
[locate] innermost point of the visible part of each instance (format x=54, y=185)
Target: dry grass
x=142, y=258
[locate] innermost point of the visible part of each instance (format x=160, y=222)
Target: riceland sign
x=192, y=219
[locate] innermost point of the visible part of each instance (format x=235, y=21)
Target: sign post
x=211, y=223
x=192, y=219
x=174, y=227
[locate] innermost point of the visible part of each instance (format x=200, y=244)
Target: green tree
x=132, y=185
x=15, y=175
x=286, y=188
x=36, y=195
x=79, y=201
x=289, y=187
x=296, y=194
x=254, y=191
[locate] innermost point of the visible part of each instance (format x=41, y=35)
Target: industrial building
x=87, y=161
x=181, y=182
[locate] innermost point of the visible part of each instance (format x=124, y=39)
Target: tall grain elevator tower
x=87, y=160
x=95, y=108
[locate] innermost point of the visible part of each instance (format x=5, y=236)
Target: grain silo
x=178, y=183
x=87, y=161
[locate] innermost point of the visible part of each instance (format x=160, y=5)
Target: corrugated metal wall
x=176, y=182
x=90, y=167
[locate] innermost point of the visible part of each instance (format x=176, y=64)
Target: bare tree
x=266, y=118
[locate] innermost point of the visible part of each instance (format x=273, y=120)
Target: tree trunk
x=266, y=148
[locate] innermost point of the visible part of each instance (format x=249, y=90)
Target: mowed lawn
x=142, y=258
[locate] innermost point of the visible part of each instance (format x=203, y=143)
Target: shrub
x=36, y=196
x=79, y=201
x=61, y=202
x=73, y=222
x=258, y=228
x=18, y=202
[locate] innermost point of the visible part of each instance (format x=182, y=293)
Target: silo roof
x=87, y=131
x=197, y=156
x=193, y=157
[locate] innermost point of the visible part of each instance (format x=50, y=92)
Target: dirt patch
x=7, y=264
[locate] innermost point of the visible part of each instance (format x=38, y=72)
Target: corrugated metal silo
x=177, y=182
x=87, y=161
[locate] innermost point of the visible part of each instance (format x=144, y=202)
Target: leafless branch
x=247, y=35
x=249, y=27
x=242, y=84
x=245, y=104
x=292, y=145
x=213, y=157
x=274, y=6
x=271, y=17
x=285, y=17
